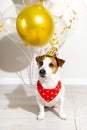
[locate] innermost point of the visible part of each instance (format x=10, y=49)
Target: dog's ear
x=39, y=58
x=60, y=62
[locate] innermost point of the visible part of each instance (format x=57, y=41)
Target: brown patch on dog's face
x=40, y=59
x=53, y=64
x=56, y=62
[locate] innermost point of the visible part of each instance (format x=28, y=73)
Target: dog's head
x=48, y=65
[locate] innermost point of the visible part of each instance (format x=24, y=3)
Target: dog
x=50, y=89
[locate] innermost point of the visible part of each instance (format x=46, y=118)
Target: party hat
x=52, y=52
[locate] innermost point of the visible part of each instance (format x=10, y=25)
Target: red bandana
x=48, y=94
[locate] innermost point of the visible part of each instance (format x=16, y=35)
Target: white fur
x=50, y=81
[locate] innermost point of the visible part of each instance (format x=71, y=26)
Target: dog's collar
x=48, y=94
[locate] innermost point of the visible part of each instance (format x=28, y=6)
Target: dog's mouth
x=42, y=76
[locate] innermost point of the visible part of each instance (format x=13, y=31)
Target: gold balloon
x=35, y=25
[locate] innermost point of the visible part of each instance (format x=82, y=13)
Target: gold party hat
x=52, y=52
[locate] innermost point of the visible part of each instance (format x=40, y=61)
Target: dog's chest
x=48, y=95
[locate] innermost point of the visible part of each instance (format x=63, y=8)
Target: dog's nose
x=42, y=72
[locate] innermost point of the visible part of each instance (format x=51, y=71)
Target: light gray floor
x=18, y=110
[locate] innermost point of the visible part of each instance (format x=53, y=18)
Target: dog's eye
x=51, y=65
x=40, y=63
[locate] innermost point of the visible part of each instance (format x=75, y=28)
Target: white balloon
x=66, y=11
x=8, y=20
x=29, y=2
x=60, y=33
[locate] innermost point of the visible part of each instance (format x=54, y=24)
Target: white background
x=74, y=51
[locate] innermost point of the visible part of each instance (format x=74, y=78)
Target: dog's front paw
x=62, y=115
x=41, y=116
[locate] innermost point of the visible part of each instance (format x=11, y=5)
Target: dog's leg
x=41, y=113
x=61, y=113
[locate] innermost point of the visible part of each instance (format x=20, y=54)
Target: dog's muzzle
x=42, y=73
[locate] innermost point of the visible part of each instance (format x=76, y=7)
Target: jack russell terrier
x=50, y=90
